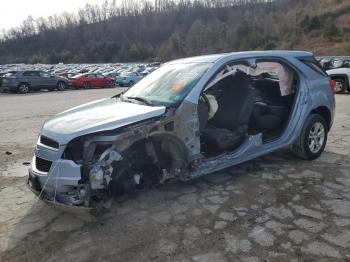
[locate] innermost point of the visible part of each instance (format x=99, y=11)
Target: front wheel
x=87, y=85
x=131, y=83
x=313, y=138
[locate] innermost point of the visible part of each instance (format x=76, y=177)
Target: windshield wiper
x=141, y=99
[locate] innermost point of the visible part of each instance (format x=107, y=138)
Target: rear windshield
x=10, y=74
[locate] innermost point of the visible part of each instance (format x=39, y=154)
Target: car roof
x=216, y=57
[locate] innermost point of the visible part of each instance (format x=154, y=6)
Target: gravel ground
x=275, y=208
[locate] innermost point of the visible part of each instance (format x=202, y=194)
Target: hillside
x=167, y=29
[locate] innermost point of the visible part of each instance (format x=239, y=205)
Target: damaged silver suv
x=189, y=118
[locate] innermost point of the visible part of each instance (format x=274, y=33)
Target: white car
x=341, y=76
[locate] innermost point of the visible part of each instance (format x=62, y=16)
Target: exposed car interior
x=243, y=101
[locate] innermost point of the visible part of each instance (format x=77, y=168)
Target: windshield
x=169, y=84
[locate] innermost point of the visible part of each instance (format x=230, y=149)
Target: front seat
x=229, y=125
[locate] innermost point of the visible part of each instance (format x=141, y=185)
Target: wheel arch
x=325, y=112
x=24, y=82
x=166, y=150
x=344, y=77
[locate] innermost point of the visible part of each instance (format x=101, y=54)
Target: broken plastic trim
x=87, y=213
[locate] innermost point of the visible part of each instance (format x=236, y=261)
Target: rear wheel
x=313, y=138
x=23, y=88
x=87, y=85
x=61, y=86
x=340, y=86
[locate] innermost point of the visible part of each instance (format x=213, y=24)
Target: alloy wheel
x=316, y=137
x=23, y=88
x=61, y=86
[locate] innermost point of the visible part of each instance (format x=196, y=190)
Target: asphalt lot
x=275, y=208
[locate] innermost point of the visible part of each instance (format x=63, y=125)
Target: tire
x=340, y=86
x=111, y=85
x=87, y=85
x=23, y=88
x=131, y=83
x=61, y=86
x=313, y=138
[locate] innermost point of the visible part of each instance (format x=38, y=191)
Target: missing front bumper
x=84, y=212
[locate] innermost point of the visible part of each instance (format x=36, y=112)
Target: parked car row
x=338, y=68
x=25, y=78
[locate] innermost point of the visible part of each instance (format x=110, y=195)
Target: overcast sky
x=13, y=12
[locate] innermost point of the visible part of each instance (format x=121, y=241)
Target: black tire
x=131, y=83
x=61, y=86
x=87, y=85
x=23, y=88
x=313, y=138
x=111, y=85
x=340, y=86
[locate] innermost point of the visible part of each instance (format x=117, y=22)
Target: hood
x=338, y=71
x=101, y=115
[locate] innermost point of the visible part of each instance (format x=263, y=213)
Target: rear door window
x=44, y=74
x=28, y=73
x=314, y=65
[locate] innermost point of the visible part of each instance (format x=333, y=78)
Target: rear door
x=100, y=81
x=46, y=80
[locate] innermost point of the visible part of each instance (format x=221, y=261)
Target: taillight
x=332, y=86
x=124, y=78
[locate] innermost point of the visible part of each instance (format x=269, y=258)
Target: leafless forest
x=166, y=29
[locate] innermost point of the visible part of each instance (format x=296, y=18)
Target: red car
x=91, y=80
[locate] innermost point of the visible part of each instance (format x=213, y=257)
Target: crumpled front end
x=70, y=175
x=57, y=180
x=89, y=169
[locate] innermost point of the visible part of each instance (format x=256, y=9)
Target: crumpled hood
x=101, y=115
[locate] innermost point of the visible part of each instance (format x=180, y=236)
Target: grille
x=49, y=142
x=42, y=165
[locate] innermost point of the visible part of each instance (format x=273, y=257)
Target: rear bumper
x=9, y=83
x=10, y=86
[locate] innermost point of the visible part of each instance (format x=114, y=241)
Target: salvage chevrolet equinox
x=189, y=118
